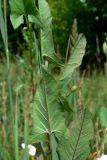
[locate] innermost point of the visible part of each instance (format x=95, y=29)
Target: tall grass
x=5, y=39
x=10, y=106
x=94, y=91
x=94, y=98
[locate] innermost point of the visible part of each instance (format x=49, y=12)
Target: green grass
x=10, y=139
x=94, y=96
x=94, y=91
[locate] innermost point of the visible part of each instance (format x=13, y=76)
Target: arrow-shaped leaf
x=76, y=57
x=21, y=9
x=48, y=117
x=76, y=145
x=47, y=45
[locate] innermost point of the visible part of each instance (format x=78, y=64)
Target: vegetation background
x=22, y=80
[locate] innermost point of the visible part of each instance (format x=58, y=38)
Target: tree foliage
x=91, y=17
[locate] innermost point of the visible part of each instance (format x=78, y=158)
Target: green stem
x=67, y=51
x=8, y=64
x=49, y=154
x=16, y=129
x=8, y=67
x=30, y=46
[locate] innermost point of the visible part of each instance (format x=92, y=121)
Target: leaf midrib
x=46, y=104
x=79, y=135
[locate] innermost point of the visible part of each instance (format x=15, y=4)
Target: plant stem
x=30, y=47
x=16, y=129
x=8, y=64
x=67, y=51
x=8, y=74
x=49, y=155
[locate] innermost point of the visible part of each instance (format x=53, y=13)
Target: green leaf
x=16, y=20
x=75, y=146
x=54, y=148
x=103, y=116
x=47, y=45
x=75, y=58
x=48, y=117
x=21, y=9
x=2, y=28
x=64, y=104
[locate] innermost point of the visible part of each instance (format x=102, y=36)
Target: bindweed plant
x=45, y=103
